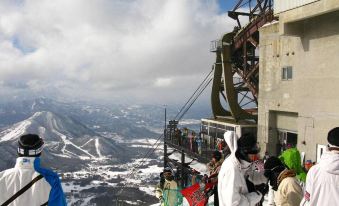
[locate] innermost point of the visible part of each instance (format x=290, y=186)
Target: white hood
x=330, y=162
x=232, y=188
x=232, y=141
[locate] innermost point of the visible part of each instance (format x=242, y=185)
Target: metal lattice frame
x=238, y=50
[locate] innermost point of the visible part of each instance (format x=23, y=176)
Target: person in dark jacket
x=214, y=167
x=284, y=182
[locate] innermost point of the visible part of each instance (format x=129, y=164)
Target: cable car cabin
x=215, y=129
x=200, y=145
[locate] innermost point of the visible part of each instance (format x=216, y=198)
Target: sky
x=138, y=51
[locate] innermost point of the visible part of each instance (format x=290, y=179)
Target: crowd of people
x=188, y=139
x=235, y=177
x=195, y=142
x=240, y=179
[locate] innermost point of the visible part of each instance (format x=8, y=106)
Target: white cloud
x=163, y=82
x=105, y=48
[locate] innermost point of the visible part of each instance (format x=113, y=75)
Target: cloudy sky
x=147, y=51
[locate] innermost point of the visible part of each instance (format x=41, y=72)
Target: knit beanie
x=273, y=167
x=167, y=169
x=30, y=145
x=247, y=143
x=333, y=137
x=273, y=163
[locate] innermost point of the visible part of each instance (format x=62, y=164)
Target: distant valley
x=98, y=150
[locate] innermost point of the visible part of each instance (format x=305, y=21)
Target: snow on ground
x=117, y=138
x=190, y=121
x=142, y=141
x=87, y=143
x=195, y=165
x=140, y=146
x=70, y=186
x=16, y=132
x=68, y=142
x=19, y=129
x=97, y=145
x=155, y=129
x=139, y=173
x=132, y=203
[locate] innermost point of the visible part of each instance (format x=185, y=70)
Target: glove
x=250, y=186
x=262, y=188
x=209, y=193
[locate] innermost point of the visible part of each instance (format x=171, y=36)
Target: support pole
x=165, y=154
x=165, y=138
x=182, y=169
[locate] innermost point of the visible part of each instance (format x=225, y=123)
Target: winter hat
x=247, y=143
x=30, y=145
x=216, y=155
x=273, y=164
x=167, y=169
x=273, y=167
x=333, y=137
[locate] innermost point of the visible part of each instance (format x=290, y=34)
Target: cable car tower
x=234, y=95
x=236, y=69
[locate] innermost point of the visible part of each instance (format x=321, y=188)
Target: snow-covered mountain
x=128, y=121
x=99, y=150
x=67, y=141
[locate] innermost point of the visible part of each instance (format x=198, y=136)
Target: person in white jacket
x=237, y=176
x=322, y=179
x=28, y=183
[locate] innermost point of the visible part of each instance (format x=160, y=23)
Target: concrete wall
x=311, y=47
x=285, y=5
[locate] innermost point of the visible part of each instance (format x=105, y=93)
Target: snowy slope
x=66, y=139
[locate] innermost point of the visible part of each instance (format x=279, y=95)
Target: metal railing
x=199, y=146
x=215, y=45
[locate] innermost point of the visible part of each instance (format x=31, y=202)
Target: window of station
x=204, y=127
x=220, y=133
x=212, y=130
x=287, y=73
x=287, y=139
x=229, y=128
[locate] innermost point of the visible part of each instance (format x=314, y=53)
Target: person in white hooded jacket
x=322, y=179
x=233, y=186
x=28, y=184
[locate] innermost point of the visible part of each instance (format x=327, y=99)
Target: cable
x=182, y=115
x=194, y=92
x=189, y=102
x=147, y=155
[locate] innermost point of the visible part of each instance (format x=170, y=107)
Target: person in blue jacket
x=28, y=183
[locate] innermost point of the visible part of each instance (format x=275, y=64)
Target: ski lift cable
x=190, y=99
x=199, y=87
x=194, y=94
x=195, y=98
x=148, y=154
x=181, y=116
x=155, y=146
